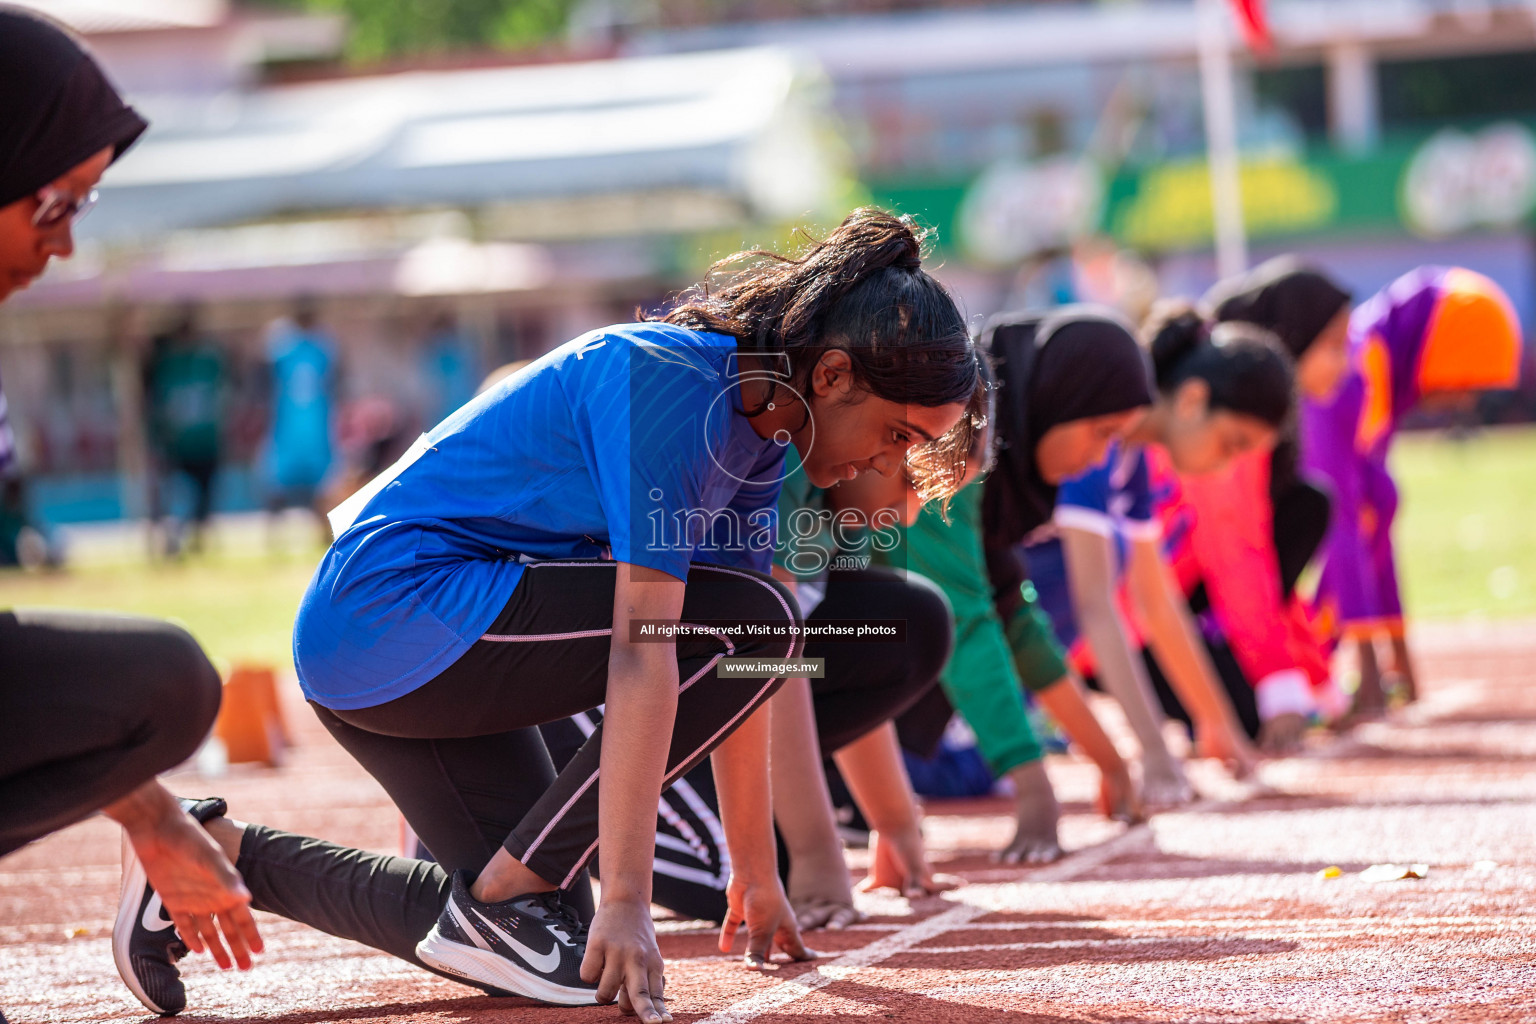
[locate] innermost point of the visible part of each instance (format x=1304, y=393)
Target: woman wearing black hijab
x=1073, y=382
x=93, y=706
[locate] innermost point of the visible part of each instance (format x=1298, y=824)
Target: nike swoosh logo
x=154, y=918
x=541, y=962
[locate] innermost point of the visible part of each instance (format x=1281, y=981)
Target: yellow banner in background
x=1172, y=208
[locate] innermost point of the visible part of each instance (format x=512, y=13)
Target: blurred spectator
x=450, y=369
x=21, y=541
x=372, y=434
x=303, y=375
x=185, y=384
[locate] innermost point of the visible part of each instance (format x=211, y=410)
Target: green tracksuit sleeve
x=991, y=663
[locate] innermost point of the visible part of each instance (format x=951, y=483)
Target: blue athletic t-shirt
x=625, y=443
x=1113, y=499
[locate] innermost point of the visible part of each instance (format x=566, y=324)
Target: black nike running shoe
x=144, y=940
x=529, y=945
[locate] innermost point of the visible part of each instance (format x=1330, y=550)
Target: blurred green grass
x=1466, y=541
x=1466, y=532
x=240, y=608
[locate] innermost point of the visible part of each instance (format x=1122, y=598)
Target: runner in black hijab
x=1072, y=382
x=1309, y=312
x=1076, y=363
x=93, y=706
x=1302, y=306
x=1285, y=295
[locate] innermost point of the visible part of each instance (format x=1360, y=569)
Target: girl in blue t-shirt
x=521, y=563
x=1220, y=393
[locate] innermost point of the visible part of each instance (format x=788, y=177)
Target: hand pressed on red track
x=898, y=860
x=624, y=960
x=1119, y=800
x=1230, y=747
x=821, y=893
x=769, y=920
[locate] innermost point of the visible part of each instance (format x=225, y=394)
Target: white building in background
x=537, y=201
x=531, y=202
x=192, y=47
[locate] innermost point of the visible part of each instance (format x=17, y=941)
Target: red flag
x=1255, y=24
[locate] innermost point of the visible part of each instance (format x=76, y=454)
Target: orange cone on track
x=250, y=722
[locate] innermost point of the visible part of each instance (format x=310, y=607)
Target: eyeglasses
x=56, y=208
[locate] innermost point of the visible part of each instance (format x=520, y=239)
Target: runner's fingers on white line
x=659, y=987
x=627, y=1006
x=930, y=883
x=656, y=989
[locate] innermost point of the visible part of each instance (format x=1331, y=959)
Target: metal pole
x=1221, y=138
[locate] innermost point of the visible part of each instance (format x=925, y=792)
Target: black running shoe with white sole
x=144, y=940
x=529, y=945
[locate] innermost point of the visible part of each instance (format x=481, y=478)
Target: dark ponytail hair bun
x=861, y=289
x=1174, y=331
x=1244, y=366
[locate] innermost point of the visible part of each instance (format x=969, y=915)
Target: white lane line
x=1267, y=923
x=850, y=963
x=1254, y=935
x=1251, y=931
x=789, y=991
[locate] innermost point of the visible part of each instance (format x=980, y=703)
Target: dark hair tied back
x=1175, y=331
x=861, y=289
x=1243, y=365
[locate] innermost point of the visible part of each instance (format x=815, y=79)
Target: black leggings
x=1233, y=680
x=92, y=706
x=463, y=758
x=867, y=683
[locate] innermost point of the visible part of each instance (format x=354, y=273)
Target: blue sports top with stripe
x=627, y=442
x=1113, y=499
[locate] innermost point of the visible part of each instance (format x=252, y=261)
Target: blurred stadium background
x=461, y=185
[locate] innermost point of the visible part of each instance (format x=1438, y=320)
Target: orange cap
x=1473, y=341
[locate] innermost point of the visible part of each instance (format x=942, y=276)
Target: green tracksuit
x=993, y=661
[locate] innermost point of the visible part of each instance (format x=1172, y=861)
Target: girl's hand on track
x=1119, y=799
x=821, y=894
x=1281, y=736
x=899, y=861
x=623, y=958
x=833, y=915
x=764, y=909
x=1229, y=747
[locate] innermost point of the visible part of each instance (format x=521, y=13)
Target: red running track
x=1212, y=913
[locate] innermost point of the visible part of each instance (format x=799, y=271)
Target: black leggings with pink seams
x=464, y=760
